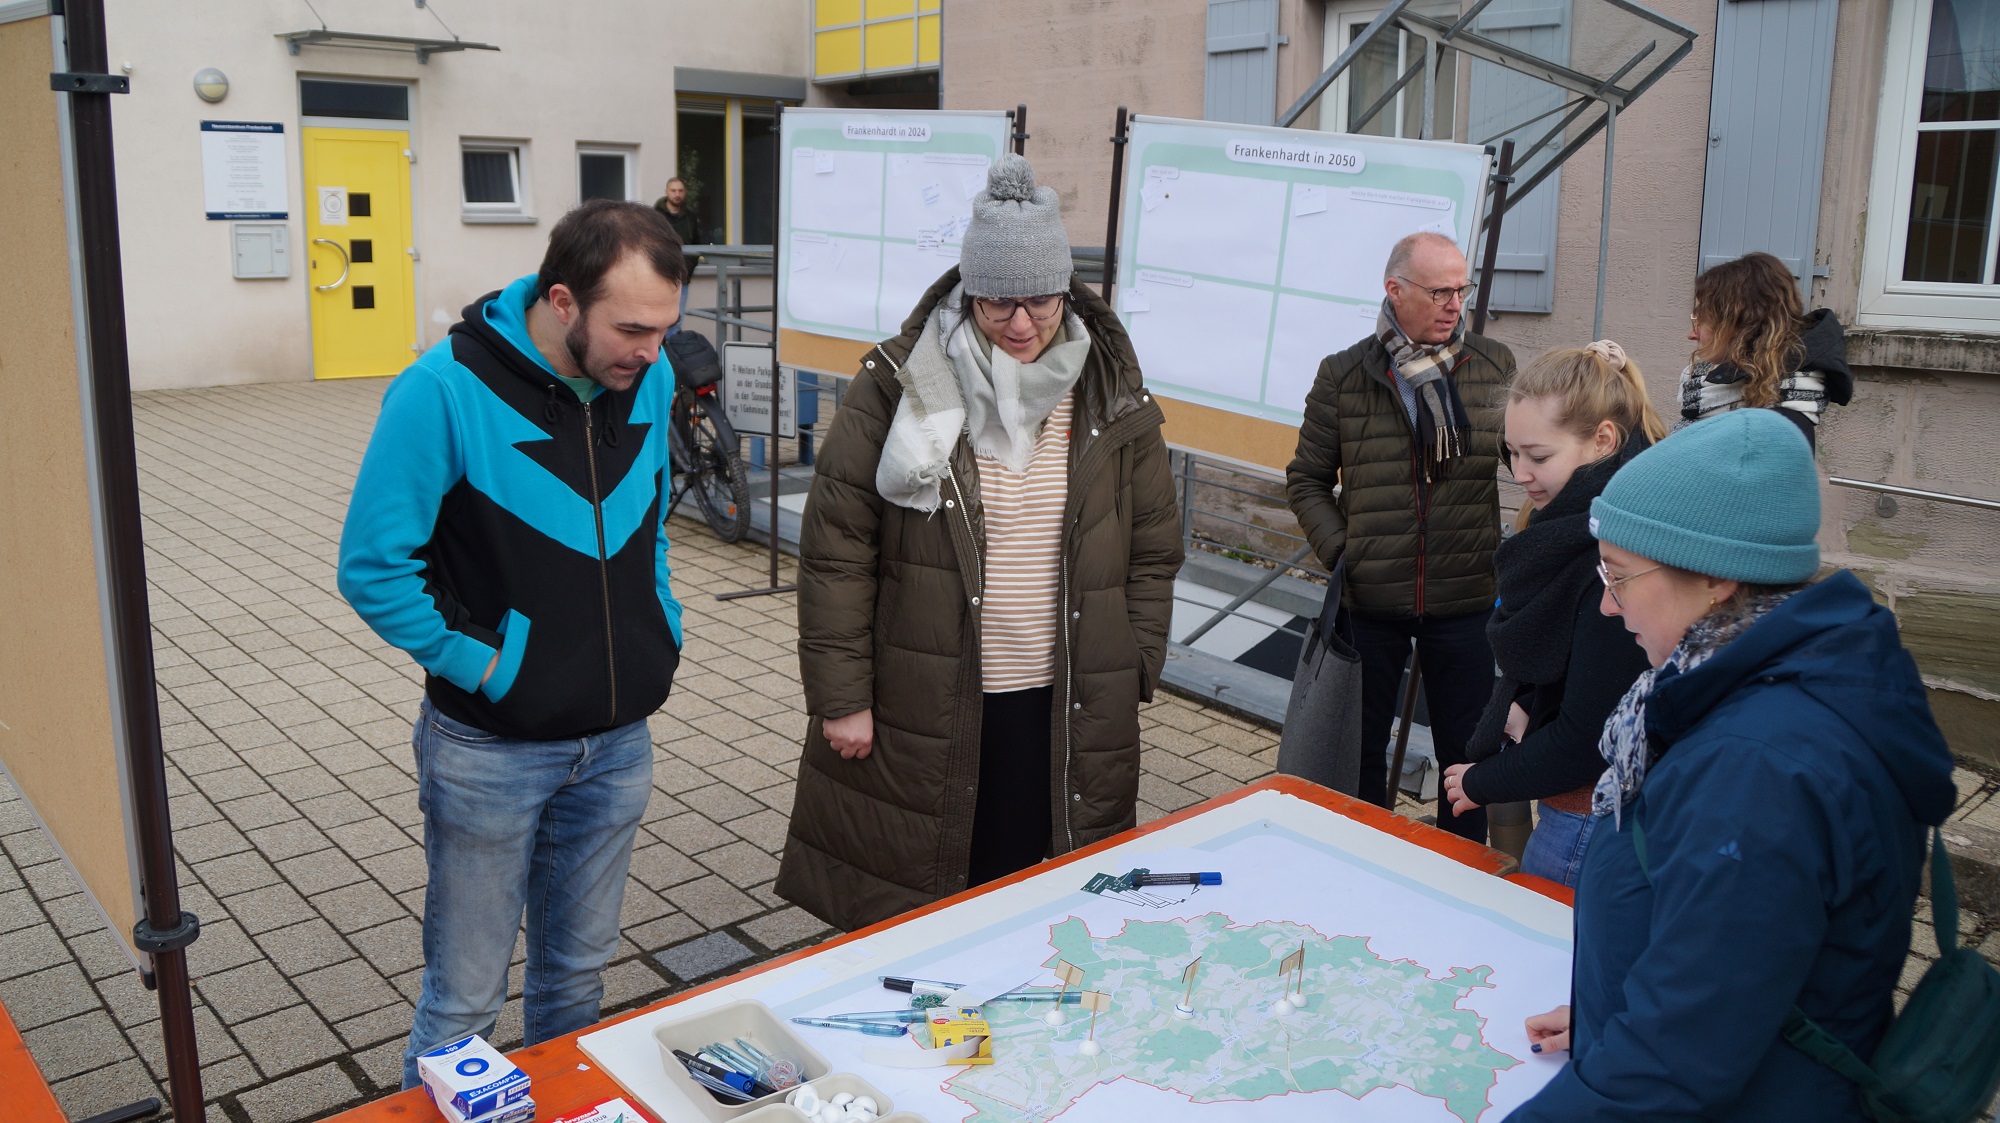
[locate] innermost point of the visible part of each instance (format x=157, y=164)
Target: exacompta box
x=472, y=1077
x=520, y=1111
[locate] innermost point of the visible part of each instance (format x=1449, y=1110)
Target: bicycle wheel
x=716, y=477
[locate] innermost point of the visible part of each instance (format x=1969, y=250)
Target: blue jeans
x=1556, y=849
x=544, y=827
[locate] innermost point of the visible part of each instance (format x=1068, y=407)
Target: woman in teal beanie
x=1768, y=787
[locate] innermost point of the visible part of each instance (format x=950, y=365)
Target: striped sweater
x=1023, y=515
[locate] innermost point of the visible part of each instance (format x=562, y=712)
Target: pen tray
x=752, y=1021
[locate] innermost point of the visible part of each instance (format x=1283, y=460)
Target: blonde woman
x=1574, y=417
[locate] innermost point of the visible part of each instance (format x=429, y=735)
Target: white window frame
x=627, y=152
x=518, y=211
x=1885, y=299
x=1334, y=103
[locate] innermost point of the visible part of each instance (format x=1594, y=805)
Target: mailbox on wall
x=261, y=250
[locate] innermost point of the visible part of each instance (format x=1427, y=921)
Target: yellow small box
x=955, y=1025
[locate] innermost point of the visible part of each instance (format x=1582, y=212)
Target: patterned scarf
x=1436, y=413
x=1625, y=746
x=1709, y=388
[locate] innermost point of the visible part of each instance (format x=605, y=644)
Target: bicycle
x=703, y=446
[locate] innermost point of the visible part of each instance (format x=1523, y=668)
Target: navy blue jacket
x=1784, y=830
x=495, y=511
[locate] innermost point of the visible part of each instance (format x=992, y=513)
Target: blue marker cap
x=1211, y=879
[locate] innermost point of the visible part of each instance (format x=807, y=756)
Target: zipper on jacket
x=1066, y=624
x=603, y=568
x=978, y=563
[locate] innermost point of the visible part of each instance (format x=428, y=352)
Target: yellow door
x=358, y=244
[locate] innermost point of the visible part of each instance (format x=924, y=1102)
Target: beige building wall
x=559, y=80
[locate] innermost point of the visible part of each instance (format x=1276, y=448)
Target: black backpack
x=694, y=359
x=1939, y=1061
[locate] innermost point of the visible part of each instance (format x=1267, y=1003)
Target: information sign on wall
x=243, y=169
x=746, y=390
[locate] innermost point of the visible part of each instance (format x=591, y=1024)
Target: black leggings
x=1011, y=822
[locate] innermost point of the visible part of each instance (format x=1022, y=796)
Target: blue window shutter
x=1242, y=78
x=1767, y=115
x=1524, y=278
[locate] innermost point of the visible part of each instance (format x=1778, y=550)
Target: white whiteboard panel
x=1249, y=254
x=874, y=205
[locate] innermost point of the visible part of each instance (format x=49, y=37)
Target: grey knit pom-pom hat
x=1016, y=246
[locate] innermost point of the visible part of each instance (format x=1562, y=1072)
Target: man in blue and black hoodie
x=506, y=531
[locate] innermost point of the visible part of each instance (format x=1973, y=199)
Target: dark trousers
x=1011, y=820
x=1457, y=670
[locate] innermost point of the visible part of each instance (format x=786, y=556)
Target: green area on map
x=1365, y=1023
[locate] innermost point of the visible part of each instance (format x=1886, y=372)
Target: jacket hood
x=1824, y=343
x=1842, y=649
x=499, y=320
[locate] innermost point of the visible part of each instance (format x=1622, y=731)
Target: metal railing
x=1916, y=493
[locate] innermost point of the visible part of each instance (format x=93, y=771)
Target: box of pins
x=752, y=1022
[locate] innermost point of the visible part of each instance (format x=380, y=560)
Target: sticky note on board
x=1132, y=300
x=927, y=239
x=1308, y=198
x=933, y=194
x=973, y=183
x=901, y=163
x=1162, y=171
x=1153, y=194
x=823, y=163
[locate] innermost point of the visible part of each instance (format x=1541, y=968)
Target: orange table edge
x=23, y=1092
x=565, y=1081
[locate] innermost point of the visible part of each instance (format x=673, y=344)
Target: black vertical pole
x=164, y=931
x=1504, y=177
x=777, y=371
x=1021, y=129
x=1118, y=141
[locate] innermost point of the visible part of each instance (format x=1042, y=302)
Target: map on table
x=1417, y=975
x=1363, y=1023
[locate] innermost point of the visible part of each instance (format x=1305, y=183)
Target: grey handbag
x=1322, y=737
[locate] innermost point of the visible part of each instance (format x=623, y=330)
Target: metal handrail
x=1916, y=493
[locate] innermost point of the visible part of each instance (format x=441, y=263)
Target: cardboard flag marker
x=1295, y=962
x=1096, y=1002
x=1186, y=1008
x=1071, y=976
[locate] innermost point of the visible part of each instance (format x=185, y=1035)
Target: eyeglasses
x=1000, y=311
x=1442, y=297
x=1611, y=583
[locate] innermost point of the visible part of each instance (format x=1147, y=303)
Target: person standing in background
x=1755, y=347
x=1407, y=424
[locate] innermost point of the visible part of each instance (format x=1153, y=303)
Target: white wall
x=557, y=81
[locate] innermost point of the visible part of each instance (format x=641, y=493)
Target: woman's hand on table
x=1549, y=1033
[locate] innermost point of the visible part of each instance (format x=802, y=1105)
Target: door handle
x=345, y=264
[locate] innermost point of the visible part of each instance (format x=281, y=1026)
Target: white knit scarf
x=956, y=382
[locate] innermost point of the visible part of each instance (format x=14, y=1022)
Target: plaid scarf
x=1627, y=749
x=1431, y=397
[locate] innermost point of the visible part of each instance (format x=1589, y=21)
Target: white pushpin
x=1282, y=1007
x=1090, y=1048
x=866, y=1104
x=841, y=1099
x=805, y=1099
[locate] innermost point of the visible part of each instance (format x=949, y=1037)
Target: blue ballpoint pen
x=875, y=1029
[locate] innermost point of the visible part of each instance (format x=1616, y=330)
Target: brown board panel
x=56, y=735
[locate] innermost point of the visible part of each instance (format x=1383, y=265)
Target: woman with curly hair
x=1755, y=347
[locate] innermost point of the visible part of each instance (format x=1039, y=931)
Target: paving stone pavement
x=287, y=727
